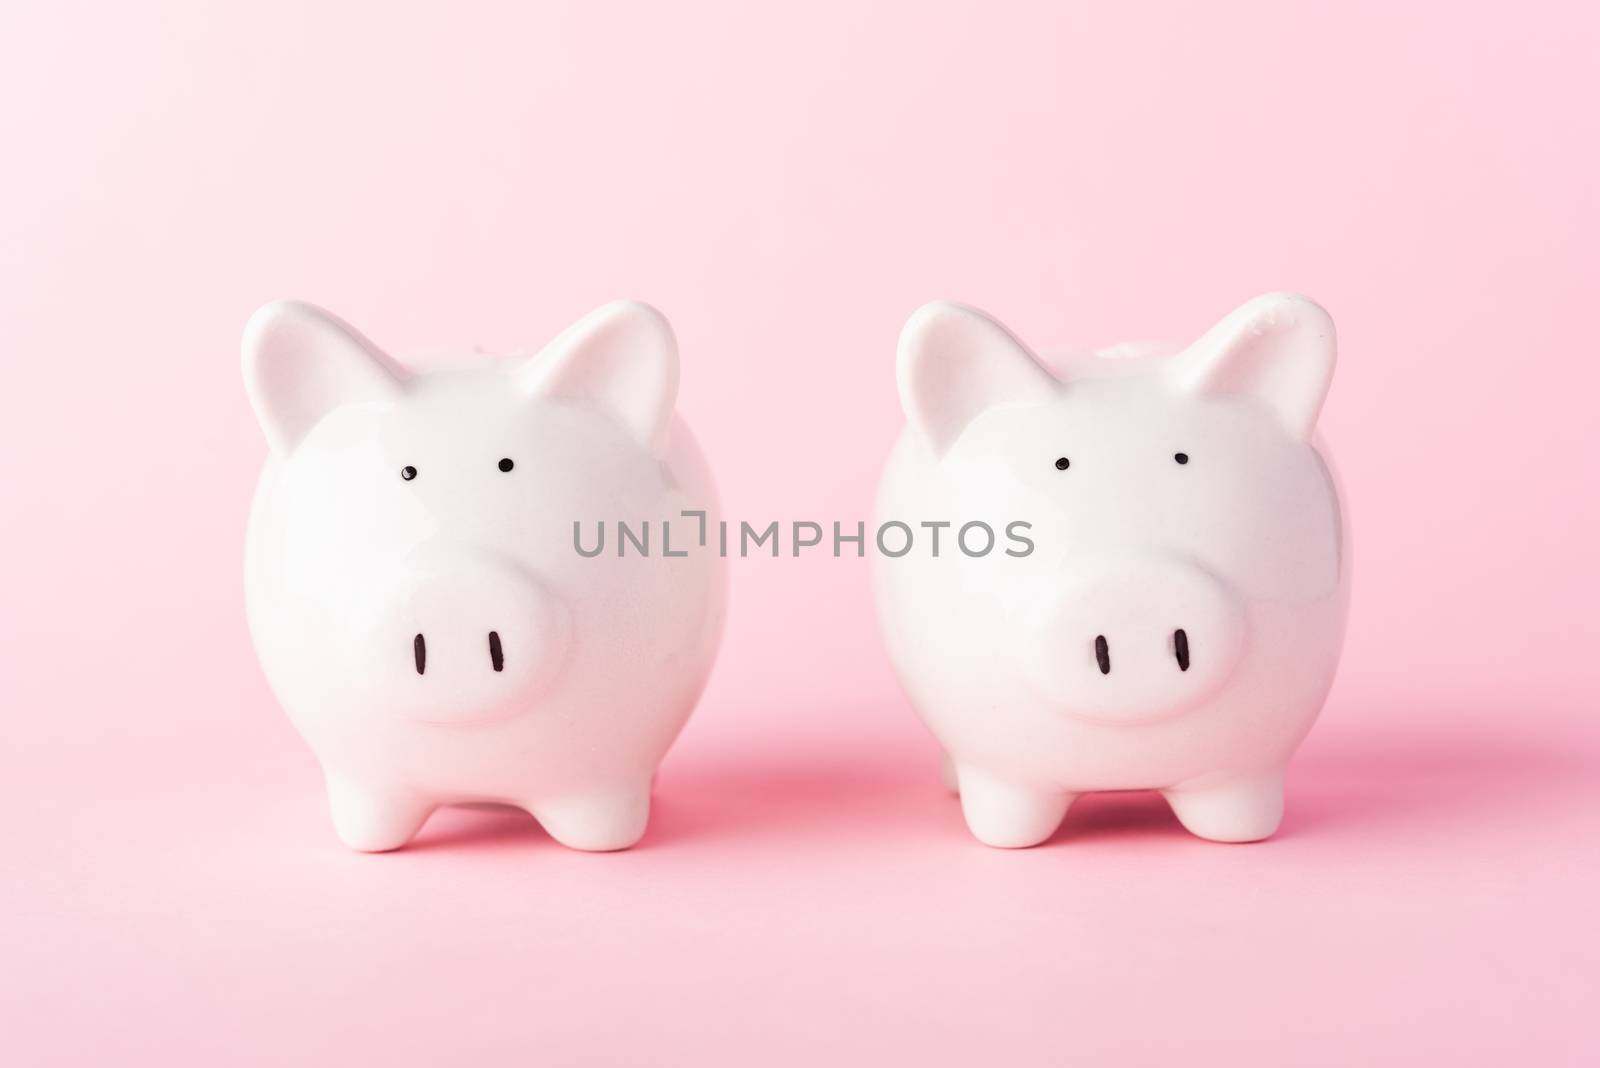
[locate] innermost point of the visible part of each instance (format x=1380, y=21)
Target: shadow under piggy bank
x=1414, y=781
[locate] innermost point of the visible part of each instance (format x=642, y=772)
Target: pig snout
x=463, y=636
x=1134, y=637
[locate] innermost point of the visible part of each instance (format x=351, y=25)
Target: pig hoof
x=596, y=823
x=1006, y=817
x=1238, y=810
x=373, y=823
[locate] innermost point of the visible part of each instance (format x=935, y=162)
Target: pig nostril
x=419, y=652
x=1102, y=654
x=1180, y=646
x=496, y=657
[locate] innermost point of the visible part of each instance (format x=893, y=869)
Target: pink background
x=788, y=186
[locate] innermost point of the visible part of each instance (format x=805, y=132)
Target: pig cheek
x=1272, y=526
x=345, y=533
x=994, y=488
x=1019, y=592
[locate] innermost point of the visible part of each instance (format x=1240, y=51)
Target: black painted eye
x=408, y=472
x=1062, y=463
x=506, y=464
x=1181, y=457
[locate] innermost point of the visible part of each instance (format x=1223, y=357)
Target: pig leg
x=1243, y=808
x=598, y=822
x=374, y=821
x=947, y=774
x=1009, y=817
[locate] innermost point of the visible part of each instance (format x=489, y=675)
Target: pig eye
x=1062, y=463
x=408, y=472
x=506, y=464
x=1181, y=457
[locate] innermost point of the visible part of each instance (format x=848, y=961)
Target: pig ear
x=1277, y=350
x=300, y=363
x=622, y=358
x=956, y=363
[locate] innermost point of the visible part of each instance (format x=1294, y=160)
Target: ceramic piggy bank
x=1162, y=600
x=413, y=582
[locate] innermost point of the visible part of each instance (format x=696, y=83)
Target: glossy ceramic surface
x=1179, y=620
x=414, y=588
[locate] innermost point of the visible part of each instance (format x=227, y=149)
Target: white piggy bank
x=1170, y=617
x=414, y=588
